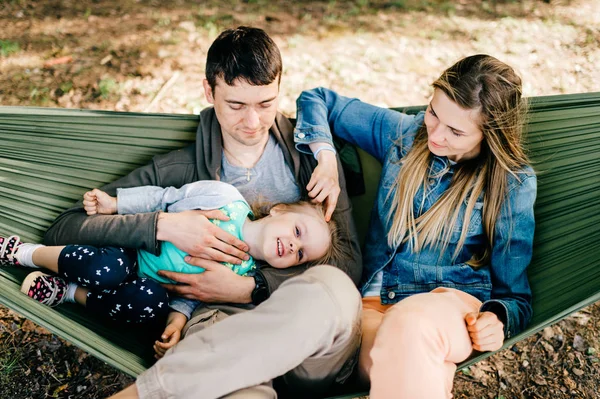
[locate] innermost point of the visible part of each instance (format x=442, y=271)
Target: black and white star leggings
x=116, y=291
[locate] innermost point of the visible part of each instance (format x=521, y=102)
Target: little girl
x=123, y=284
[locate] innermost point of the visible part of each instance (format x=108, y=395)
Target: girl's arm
x=171, y=335
x=511, y=254
x=97, y=202
x=207, y=194
x=321, y=111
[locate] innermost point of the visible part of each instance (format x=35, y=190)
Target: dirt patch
x=118, y=55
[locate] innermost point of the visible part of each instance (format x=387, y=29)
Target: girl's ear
x=278, y=209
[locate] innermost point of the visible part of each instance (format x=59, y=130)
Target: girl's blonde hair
x=492, y=88
x=337, y=250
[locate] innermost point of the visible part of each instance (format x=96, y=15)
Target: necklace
x=240, y=163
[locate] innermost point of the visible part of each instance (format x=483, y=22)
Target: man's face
x=245, y=112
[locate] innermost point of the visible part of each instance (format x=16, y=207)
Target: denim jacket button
x=301, y=135
x=391, y=294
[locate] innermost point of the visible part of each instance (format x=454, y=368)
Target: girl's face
x=294, y=235
x=452, y=131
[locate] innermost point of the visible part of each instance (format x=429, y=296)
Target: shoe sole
x=29, y=280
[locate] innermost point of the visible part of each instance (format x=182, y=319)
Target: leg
x=96, y=268
x=418, y=345
x=313, y=315
x=82, y=266
x=263, y=391
x=47, y=257
x=138, y=301
x=371, y=320
x=130, y=392
x=319, y=372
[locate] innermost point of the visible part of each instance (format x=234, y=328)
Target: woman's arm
x=511, y=254
x=321, y=111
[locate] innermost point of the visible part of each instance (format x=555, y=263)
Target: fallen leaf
x=539, y=380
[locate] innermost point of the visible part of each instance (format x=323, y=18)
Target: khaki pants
x=308, y=331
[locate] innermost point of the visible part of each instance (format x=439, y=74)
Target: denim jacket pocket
x=475, y=226
x=474, y=281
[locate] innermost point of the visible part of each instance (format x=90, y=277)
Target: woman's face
x=452, y=131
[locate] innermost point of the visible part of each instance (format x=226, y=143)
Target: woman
x=452, y=227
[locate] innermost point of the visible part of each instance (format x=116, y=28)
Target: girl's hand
x=98, y=202
x=486, y=331
x=170, y=337
x=324, y=185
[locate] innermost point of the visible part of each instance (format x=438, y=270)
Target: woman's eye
x=300, y=254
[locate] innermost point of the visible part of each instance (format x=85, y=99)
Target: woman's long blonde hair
x=485, y=84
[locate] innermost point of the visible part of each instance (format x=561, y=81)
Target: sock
x=70, y=294
x=25, y=254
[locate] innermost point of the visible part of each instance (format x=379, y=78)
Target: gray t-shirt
x=270, y=181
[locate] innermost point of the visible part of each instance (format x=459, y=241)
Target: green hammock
x=49, y=157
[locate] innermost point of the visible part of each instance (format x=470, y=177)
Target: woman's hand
x=98, y=202
x=171, y=335
x=324, y=183
x=486, y=331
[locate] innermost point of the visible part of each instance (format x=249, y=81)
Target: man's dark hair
x=243, y=53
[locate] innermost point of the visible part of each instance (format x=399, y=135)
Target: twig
x=162, y=91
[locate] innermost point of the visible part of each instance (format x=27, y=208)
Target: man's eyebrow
x=268, y=100
x=243, y=103
x=453, y=128
x=235, y=102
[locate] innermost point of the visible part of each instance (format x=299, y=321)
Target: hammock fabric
x=49, y=157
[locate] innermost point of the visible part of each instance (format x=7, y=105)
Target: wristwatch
x=260, y=293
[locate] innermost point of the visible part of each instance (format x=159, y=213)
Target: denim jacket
x=501, y=285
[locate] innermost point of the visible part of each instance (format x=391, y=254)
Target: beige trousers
x=308, y=331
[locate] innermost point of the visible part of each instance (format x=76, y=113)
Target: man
x=308, y=329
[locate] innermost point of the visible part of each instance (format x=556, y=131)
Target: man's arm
x=132, y=231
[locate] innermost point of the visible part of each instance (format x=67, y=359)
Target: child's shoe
x=8, y=250
x=44, y=288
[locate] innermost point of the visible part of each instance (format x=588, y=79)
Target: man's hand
x=485, y=330
x=98, y=202
x=171, y=335
x=217, y=283
x=324, y=185
x=193, y=233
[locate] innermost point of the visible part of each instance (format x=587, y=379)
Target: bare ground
x=148, y=56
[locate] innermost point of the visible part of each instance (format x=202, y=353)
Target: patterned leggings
x=115, y=290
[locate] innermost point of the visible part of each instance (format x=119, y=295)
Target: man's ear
x=208, y=93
